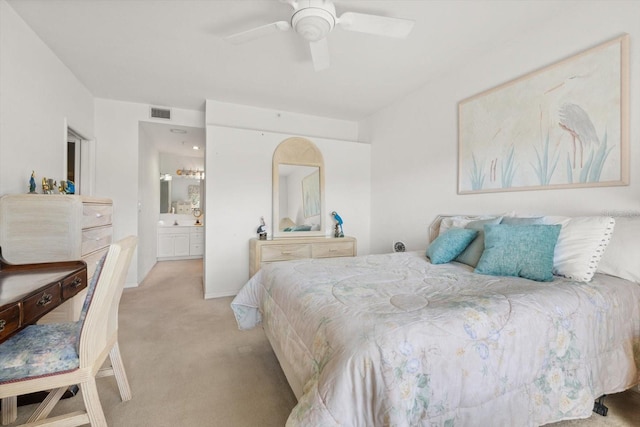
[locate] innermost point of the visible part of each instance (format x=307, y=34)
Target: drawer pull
x=285, y=253
x=76, y=282
x=2, y=324
x=333, y=250
x=45, y=299
x=98, y=215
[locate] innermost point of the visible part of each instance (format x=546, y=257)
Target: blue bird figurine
x=339, y=222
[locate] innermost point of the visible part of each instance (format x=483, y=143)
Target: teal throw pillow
x=471, y=255
x=519, y=250
x=448, y=245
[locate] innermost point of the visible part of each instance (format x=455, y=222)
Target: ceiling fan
x=315, y=19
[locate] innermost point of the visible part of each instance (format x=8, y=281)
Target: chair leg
x=47, y=405
x=92, y=403
x=9, y=410
x=120, y=373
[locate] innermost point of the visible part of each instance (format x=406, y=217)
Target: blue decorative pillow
x=450, y=244
x=471, y=254
x=519, y=250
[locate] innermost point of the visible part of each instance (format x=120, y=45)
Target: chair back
x=99, y=331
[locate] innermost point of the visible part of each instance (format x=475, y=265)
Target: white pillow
x=460, y=221
x=581, y=244
x=622, y=257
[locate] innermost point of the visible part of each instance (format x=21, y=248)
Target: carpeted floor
x=188, y=365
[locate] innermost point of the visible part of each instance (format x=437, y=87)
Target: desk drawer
x=37, y=305
x=333, y=249
x=96, y=238
x=73, y=285
x=9, y=320
x=96, y=215
x=285, y=252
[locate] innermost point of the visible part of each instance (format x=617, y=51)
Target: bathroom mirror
x=298, y=189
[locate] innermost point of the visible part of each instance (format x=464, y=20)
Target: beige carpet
x=188, y=365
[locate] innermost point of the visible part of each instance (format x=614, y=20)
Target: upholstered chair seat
x=39, y=350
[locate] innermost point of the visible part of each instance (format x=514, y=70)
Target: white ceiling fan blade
x=256, y=33
x=320, y=54
x=374, y=24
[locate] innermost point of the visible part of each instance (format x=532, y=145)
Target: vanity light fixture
x=190, y=173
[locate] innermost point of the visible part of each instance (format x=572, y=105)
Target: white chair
x=52, y=357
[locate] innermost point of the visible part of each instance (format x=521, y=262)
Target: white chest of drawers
x=41, y=228
x=266, y=251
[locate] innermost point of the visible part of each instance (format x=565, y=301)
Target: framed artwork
x=311, y=194
x=563, y=126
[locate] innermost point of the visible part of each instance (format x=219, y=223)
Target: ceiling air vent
x=160, y=113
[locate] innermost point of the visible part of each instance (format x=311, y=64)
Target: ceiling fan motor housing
x=315, y=21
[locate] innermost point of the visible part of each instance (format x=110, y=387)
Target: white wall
x=238, y=164
x=39, y=97
x=117, y=176
x=414, y=141
x=149, y=205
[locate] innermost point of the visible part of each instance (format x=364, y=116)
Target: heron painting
x=563, y=126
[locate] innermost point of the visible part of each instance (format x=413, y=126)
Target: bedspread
x=392, y=340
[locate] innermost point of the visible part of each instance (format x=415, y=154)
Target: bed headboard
x=434, y=228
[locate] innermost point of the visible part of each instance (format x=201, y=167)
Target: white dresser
x=42, y=228
x=266, y=251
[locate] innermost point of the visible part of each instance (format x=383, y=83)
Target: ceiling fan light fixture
x=313, y=24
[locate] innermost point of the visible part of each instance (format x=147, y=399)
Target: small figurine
x=45, y=186
x=71, y=187
x=338, y=232
x=262, y=229
x=32, y=183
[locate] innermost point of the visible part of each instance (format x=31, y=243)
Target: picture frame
x=563, y=126
x=311, y=195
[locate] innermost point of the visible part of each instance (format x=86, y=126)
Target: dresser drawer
x=333, y=249
x=285, y=252
x=74, y=284
x=96, y=215
x=92, y=261
x=96, y=238
x=9, y=320
x=40, y=303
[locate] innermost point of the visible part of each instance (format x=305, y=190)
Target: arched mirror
x=298, y=189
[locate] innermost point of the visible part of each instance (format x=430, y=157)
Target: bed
x=396, y=340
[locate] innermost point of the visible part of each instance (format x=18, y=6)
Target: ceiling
x=173, y=139
x=171, y=53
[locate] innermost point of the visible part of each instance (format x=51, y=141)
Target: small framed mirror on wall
x=298, y=189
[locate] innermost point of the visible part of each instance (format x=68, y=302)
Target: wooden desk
x=29, y=291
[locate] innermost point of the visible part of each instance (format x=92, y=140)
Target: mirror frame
x=297, y=152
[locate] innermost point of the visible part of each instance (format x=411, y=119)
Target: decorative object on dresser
x=337, y=232
x=262, y=229
x=37, y=228
x=267, y=251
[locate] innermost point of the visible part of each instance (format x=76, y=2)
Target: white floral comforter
x=391, y=340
